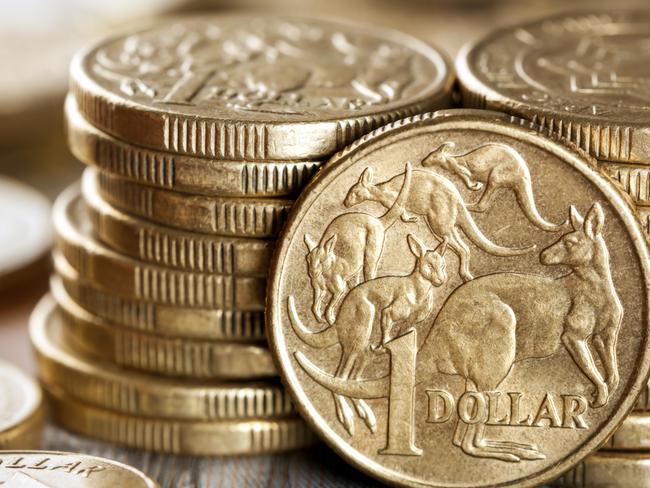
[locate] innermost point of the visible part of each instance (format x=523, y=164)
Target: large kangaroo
x=520, y=317
x=491, y=166
x=384, y=303
x=350, y=246
x=437, y=199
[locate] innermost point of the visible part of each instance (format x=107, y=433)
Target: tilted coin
x=644, y=216
x=609, y=470
x=180, y=172
x=21, y=409
x=233, y=437
x=247, y=88
x=632, y=435
x=498, y=331
x=643, y=402
x=51, y=469
x=167, y=320
x=584, y=76
x=634, y=178
x=131, y=278
x=226, y=216
x=107, y=386
x=167, y=246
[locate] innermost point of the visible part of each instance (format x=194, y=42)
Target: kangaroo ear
x=442, y=247
x=366, y=176
x=416, y=246
x=594, y=221
x=309, y=242
x=576, y=218
x=330, y=243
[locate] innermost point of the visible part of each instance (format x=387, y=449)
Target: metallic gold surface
x=609, y=470
x=51, y=469
x=632, y=435
x=634, y=178
x=497, y=356
x=107, y=386
x=581, y=75
x=246, y=88
x=130, y=278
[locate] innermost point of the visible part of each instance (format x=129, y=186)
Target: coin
x=644, y=216
x=128, y=277
x=634, y=178
x=158, y=354
x=25, y=232
x=584, y=76
x=33, y=469
x=247, y=88
x=632, y=435
x=643, y=402
x=21, y=409
x=167, y=320
x=166, y=246
x=106, y=386
x=225, y=216
x=226, y=438
x=477, y=370
x=609, y=470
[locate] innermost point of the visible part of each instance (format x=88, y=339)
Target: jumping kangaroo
x=436, y=198
x=491, y=166
x=384, y=303
x=350, y=246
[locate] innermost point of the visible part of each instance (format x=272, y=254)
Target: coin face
x=256, y=88
x=460, y=301
x=47, y=469
x=585, y=75
x=20, y=408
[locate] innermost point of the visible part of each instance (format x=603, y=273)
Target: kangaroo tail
x=397, y=209
x=469, y=227
x=526, y=199
x=321, y=339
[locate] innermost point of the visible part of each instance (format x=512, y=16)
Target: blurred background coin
x=609, y=470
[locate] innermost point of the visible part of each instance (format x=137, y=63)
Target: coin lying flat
x=131, y=278
x=246, y=88
x=183, y=173
x=609, y=470
x=632, y=435
x=584, y=76
x=225, y=216
x=167, y=246
x=494, y=338
x=106, y=386
x=38, y=469
x=21, y=409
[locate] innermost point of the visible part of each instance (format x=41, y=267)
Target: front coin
x=459, y=301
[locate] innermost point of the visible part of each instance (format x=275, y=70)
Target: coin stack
x=199, y=133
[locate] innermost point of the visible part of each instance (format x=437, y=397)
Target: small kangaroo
x=491, y=166
x=384, y=303
x=437, y=199
x=350, y=246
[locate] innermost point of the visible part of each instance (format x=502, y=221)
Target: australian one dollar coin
x=460, y=301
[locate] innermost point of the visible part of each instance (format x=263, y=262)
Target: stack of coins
x=199, y=133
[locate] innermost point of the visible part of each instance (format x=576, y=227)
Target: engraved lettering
x=547, y=411
x=515, y=406
x=472, y=408
x=86, y=472
x=441, y=406
x=575, y=406
x=494, y=398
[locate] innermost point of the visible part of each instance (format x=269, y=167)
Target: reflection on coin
x=609, y=470
x=183, y=173
x=632, y=435
x=106, y=386
x=49, y=469
x=21, y=409
x=478, y=371
x=245, y=88
x=25, y=229
x=128, y=277
x=585, y=76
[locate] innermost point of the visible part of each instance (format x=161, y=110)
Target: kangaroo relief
x=490, y=167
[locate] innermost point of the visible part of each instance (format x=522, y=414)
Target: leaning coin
x=643, y=402
x=583, y=76
x=107, y=386
x=174, y=248
x=609, y=470
x=632, y=435
x=34, y=469
x=644, y=216
x=226, y=216
x=634, y=178
x=129, y=277
x=246, y=88
x=507, y=337
x=21, y=409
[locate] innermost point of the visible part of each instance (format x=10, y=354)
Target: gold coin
x=183, y=173
x=197, y=323
x=255, y=89
x=39, y=469
x=158, y=354
x=632, y=435
x=609, y=470
x=131, y=278
x=634, y=178
x=644, y=216
x=643, y=402
x=107, y=386
x=494, y=338
x=583, y=76
x=222, y=438
x=21, y=409
x=169, y=247
x=225, y=216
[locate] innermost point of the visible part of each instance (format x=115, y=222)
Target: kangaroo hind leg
x=344, y=411
x=486, y=197
x=364, y=410
x=576, y=344
x=461, y=249
x=605, y=344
